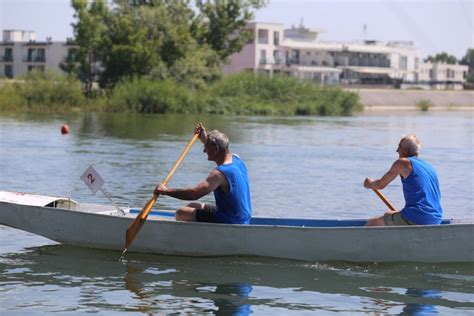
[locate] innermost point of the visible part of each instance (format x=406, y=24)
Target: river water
x=307, y=167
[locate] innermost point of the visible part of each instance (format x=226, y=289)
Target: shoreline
x=407, y=100
x=415, y=108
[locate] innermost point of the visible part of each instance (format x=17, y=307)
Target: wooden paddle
x=137, y=224
x=384, y=199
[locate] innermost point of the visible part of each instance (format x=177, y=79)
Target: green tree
x=442, y=57
x=222, y=24
x=468, y=60
x=88, y=31
x=154, y=39
x=158, y=39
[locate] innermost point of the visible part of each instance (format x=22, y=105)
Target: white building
x=442, y=75
x=20, y=52
x=298, y=53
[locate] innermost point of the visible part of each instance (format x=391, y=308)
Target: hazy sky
x=433, y=25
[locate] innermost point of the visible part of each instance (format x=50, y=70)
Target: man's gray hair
x=412, y=144
x=219, y=139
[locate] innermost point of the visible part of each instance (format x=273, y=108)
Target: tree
x=88, y=32
x=153, y=39
x=468, y=60
x=158, y=39
x=222, y=24
x=442, y=57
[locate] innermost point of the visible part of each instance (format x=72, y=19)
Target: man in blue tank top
x=420, y=188
x=229, y=182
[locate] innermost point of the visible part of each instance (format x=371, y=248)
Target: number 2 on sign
x=91, y=178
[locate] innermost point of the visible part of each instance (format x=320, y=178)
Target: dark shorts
x=207, y=214
x=396, y=219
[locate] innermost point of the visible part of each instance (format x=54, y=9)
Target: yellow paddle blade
x=137, y=224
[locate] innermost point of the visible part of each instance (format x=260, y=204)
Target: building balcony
x=6, y=58
x=369, y=63
x=293, y=61
x=35, y=59
x=277, y=61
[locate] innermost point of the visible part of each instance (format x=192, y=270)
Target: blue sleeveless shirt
x=422, y=194
x=234, y=207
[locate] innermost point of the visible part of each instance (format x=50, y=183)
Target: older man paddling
x=420, y=188
x=229, y=182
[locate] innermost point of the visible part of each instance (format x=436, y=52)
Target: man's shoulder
x=403, y=160
x=403, y=166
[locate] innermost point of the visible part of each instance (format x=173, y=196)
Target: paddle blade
x=137, y=224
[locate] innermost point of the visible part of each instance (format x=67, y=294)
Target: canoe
x=103, y=226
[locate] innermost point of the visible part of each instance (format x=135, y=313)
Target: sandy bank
x=391, y=99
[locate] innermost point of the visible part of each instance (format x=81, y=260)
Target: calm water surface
x=299, y=167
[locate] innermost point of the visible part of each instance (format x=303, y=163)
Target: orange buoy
x=65, y=129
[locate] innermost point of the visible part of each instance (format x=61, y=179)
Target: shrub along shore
x=241, y=94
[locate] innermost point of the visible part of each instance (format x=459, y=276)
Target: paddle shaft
x=137, y=224
x=384, y=199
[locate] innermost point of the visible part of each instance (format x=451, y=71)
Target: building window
x=276, y=38
x=295, y=57
x=263, y=36
x=8, y=54
x=263, y=57
x=36, y=54
x=9, y=71
x=278, y=57
x=417, y=62
x=403, y=62
x=41, y=54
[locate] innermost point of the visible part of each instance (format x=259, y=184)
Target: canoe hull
x=106, y=230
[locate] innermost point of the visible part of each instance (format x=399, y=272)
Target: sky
x=433, y=25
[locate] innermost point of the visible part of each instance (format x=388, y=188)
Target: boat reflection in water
x=87, y=280
x=421, y=308
x=228, y=298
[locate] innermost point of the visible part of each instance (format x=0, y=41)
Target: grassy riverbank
x=243, y=94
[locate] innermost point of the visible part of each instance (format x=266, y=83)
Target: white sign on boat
x=92, y=179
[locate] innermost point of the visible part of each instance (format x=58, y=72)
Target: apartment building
x=20, y=52
x=297, y=52
x=442, y=75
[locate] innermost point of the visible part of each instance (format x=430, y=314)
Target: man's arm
x=212, y=182
x=398, y=168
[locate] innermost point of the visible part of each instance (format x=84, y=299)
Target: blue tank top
x=234, y=207
x=422, y=194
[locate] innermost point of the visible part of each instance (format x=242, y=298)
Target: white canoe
x=99, y=226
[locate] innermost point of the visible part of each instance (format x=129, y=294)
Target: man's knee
x=186, y=214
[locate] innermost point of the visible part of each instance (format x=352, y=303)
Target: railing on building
x=7, y=58
x=35, y=59
x=274, y=61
